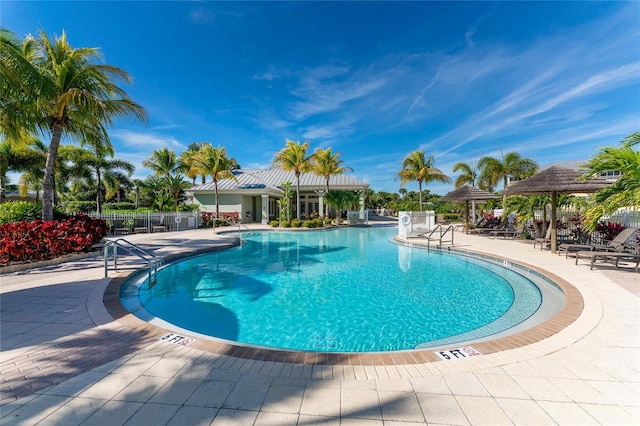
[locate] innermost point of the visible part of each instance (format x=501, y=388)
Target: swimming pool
x=342, y=290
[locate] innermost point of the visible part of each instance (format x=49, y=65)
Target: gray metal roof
x=270, y=180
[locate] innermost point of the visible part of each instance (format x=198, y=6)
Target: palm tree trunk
x=99, y=192
x=215, y=185
x=47, y=195
x=420, y=193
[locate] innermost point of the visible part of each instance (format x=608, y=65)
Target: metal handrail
x=151, y=259
x=436, y=228
x=449, y=228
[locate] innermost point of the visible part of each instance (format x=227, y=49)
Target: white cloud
x=148, y=141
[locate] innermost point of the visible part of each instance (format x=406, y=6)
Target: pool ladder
x=440, y=236
x=150, y=259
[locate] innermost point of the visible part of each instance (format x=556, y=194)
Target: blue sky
x=373, y=80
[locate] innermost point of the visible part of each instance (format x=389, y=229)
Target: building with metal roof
x=255, y=192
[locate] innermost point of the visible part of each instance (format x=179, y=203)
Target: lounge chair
x=507, y=232
x=543, y=241
x=615, y=251
x=582, y=244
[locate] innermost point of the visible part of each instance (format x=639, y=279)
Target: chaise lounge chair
x=614, y=251
x=543, y=241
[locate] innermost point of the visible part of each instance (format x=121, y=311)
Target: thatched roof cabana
x=467, y=193
x=555, y=180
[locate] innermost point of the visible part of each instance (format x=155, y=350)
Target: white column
x=321, y=201
x=362, y=205
x=265, y=209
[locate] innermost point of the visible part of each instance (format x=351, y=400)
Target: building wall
x=228, y=202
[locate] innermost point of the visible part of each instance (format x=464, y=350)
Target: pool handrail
x=131, y=248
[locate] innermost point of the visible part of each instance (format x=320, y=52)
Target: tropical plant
x=625, y=191
x=176, y=186
x=285, y=202
x=493, y=170
x=468, y=176
x=293, y=157
x=108, y=172
x=52, y=88
x=187, y=163
x=327, y=164
x=214, y=162
x=416, y=166
x=163, y=162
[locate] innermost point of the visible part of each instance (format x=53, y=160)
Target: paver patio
x=65, y=360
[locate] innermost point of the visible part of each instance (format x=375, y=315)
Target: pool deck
x=65, y=360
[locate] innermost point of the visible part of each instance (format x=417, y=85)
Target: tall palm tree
x=492, y=170
x=214, y=162
x=326, y=164
x=59, y=90
x=293, y=157
x=417, y=167
x=625, y=191
x=468, y=176
x=186, y=161
x=162, y=162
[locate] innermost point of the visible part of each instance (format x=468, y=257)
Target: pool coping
x=571, y=310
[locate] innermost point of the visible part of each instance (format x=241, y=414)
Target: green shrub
x=17, y=211
x=308, y=224
x=81, y=206
x=295, y=223
x=317, y=222
x=327, y=222
x=118, y=206
x=451, y=217
x=285, y=224
x=275, y=223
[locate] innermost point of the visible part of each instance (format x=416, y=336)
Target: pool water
x=342, y=290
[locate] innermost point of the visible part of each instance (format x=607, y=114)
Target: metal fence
x=128, y=223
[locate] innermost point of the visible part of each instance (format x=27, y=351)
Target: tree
x=625, y=191
x=107, y=172
x=513, y=165
x=175, y=187
x=187, y=164
x=214, y=162
x=293, y=157
x=417, y=167
x=163, y=162
x=468, y=175
x=54, y=89
x=326, y=164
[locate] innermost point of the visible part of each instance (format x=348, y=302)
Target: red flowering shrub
x=208, y=217
x=29, y=241
x=609, y=230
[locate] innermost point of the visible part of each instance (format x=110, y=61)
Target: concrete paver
x=65, y=360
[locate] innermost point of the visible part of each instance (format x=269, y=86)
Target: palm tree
x=417, y=167
x=163, y=162
x=468, y=176
x=175, y=187
x=325, y=164
x=187, y=165
x=293, y=157
x=106, y=171
x=58, y=90
x=625, y=191
x=214, y=162
x=513, y=165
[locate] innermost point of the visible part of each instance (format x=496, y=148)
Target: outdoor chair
x=543, y=241
x=581, y=244
x=615, y=251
